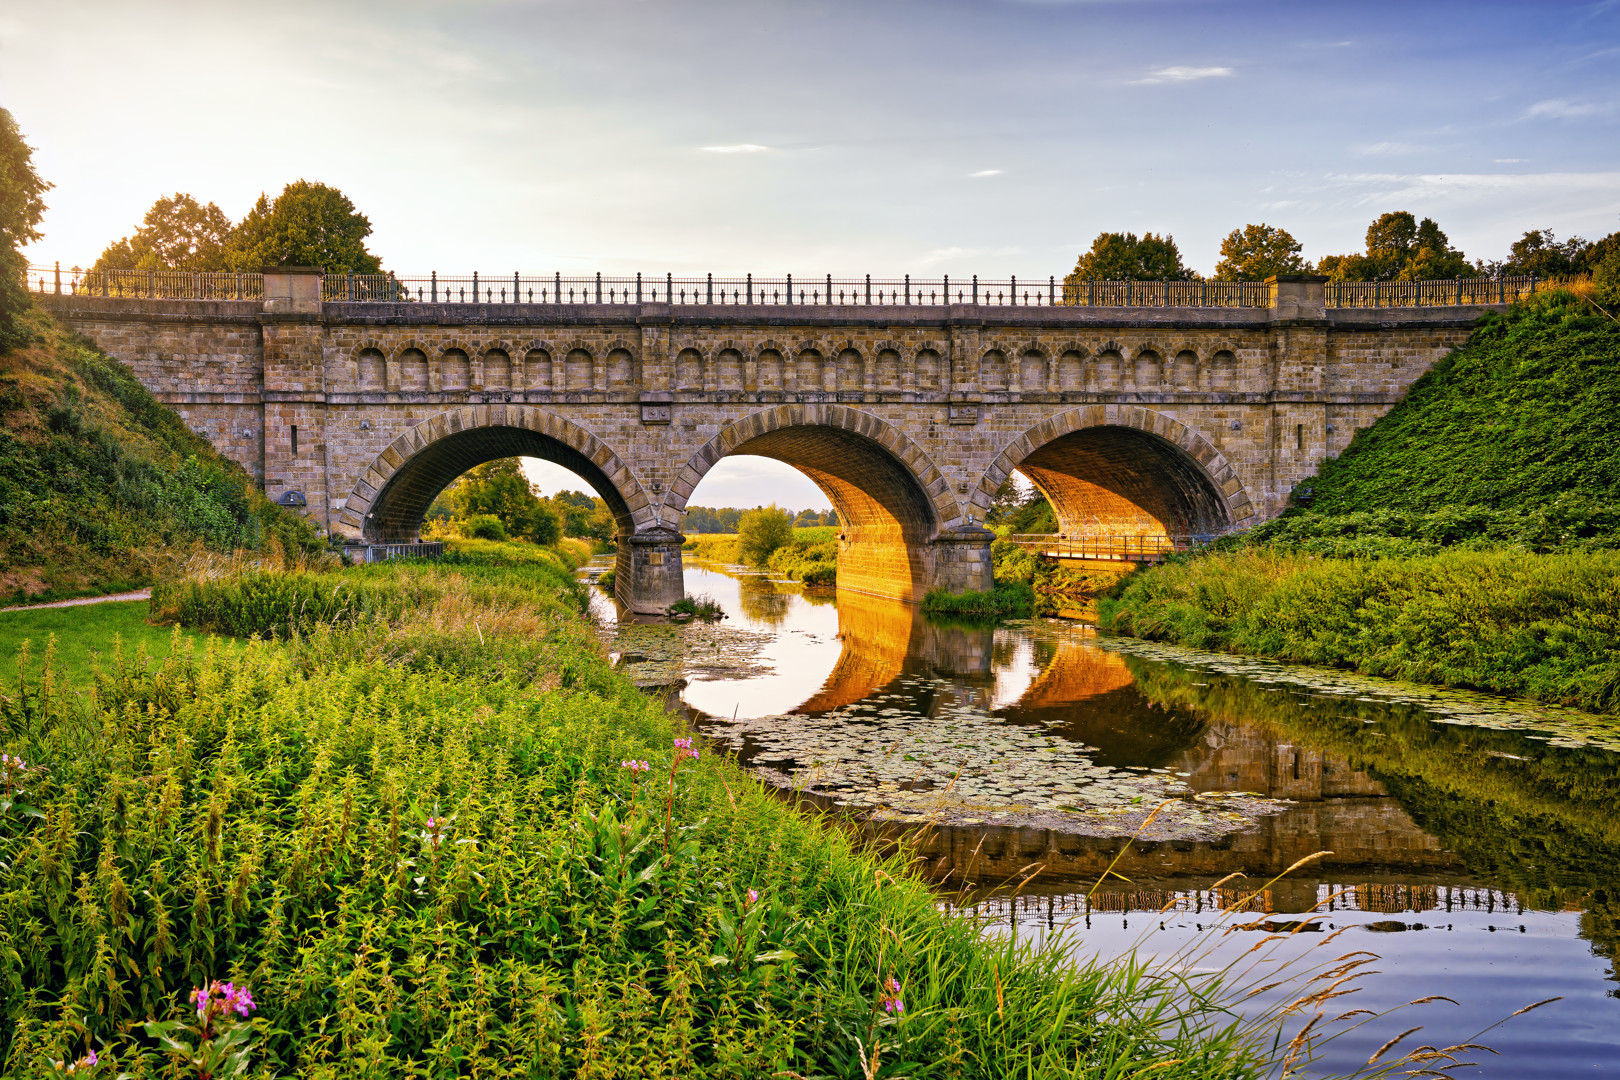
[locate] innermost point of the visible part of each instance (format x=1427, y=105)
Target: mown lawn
x=84, y=635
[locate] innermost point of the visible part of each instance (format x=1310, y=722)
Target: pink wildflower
x=891, y=999
x=753, y=897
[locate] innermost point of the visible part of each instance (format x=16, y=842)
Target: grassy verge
x=86, y=636
x=717, y=547
x=412, y=832
x=1008, y=599
x=811, y=556
x=1540, y=626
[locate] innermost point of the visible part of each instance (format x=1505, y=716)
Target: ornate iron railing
x=823, y=290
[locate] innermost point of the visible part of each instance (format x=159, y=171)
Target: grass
x=1006, y=600
x=411, y=832
x=705, y=608
x=811, y=556
x=86, y=635
x=1540, y=626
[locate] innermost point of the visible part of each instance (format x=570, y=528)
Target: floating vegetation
x=961, y=765
x=661, y=654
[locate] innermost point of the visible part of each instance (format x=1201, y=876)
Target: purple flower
x=891, y=999
x=635, y=766
x=753, y=896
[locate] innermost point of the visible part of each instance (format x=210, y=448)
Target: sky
x=870, y=136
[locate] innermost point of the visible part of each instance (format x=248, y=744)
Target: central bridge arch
x=894, y=506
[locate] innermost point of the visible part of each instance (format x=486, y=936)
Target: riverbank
x=410, y=828
x=1546, y=627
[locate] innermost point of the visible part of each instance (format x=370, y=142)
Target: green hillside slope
x=1509, y=440
x=100, y=484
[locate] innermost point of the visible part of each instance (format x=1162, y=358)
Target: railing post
x=151, y=285
x=475, y=286
x=908, y=290
x=433, y=286
x=599, y=286
x=1051, y=290
x=748, y=280
x=58, y=277
x=1091, y=292
x=947, y=290
x=829, y=290
x=1014, y=289
x=975, y=288
x=790, y=288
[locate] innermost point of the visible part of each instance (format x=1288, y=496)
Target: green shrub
x=1008, y=599
x=761, y=531
x=482, y=527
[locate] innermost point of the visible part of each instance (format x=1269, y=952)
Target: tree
x=761, y=531
x=22, y=204
x=1400, y=248
x=1123, y=257
x=178, y=233
x=1539, y=252
x=500, y=490
x=1256, y=252
x=309, y=224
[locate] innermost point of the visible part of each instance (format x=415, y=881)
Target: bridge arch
x=393, y=494
x=892, y=501
x=1124, y=469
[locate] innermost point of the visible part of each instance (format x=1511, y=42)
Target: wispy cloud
x=1509, y=160
x=1386, y=149
x=1560, y=109
x=986, y=172
x=1182, y=73
x=736, y=148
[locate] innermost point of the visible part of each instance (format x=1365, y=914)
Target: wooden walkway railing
x=1120, y=548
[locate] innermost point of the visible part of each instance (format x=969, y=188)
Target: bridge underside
x=1119, y=481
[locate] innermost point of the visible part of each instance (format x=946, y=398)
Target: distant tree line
x=725, y=519
x=1398, y=247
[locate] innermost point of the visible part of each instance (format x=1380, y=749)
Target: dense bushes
x=1007, y=599
x=1542, y=626
x=810, y=556
x=416, y=842
x=761, y=531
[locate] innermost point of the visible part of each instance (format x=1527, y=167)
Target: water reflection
x=1480, y=861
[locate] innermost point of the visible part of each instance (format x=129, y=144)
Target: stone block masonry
x=1134, y=421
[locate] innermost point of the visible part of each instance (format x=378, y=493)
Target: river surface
x=1102, y=791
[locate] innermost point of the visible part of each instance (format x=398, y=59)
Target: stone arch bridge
x=1140, y=421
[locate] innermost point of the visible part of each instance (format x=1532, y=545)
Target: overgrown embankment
x=435, y=831
x=102, y=486
x=1463, y=539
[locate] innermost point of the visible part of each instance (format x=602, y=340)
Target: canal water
x=1123, y=796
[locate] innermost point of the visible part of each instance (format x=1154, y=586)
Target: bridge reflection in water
x=1479, y=863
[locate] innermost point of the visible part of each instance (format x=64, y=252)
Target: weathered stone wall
x=911, y=417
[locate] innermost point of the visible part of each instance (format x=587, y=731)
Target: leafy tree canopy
x=1256, y=252
x=761, y=531
x=1125, y=257
x=1539, y=252
x=309, y=224
x=1400, y=248
x=500, y=490
x=178, y=233
x=22, y=205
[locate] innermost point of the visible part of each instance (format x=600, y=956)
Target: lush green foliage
x=701, y=607
x=22, y=205
x=415, y=842
x=1400, y=248
x=1125, y=257
x=1507, y=440
x=810, y=555
x=83, y=637
x=1256, y=252
x=1008, y=599
x=178, y=233
x=308, y=224
x=761, y=531
x=1540, y=626
x=100, y=483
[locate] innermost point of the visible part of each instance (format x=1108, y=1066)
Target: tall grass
x=1539, y=626
x=409, y=830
